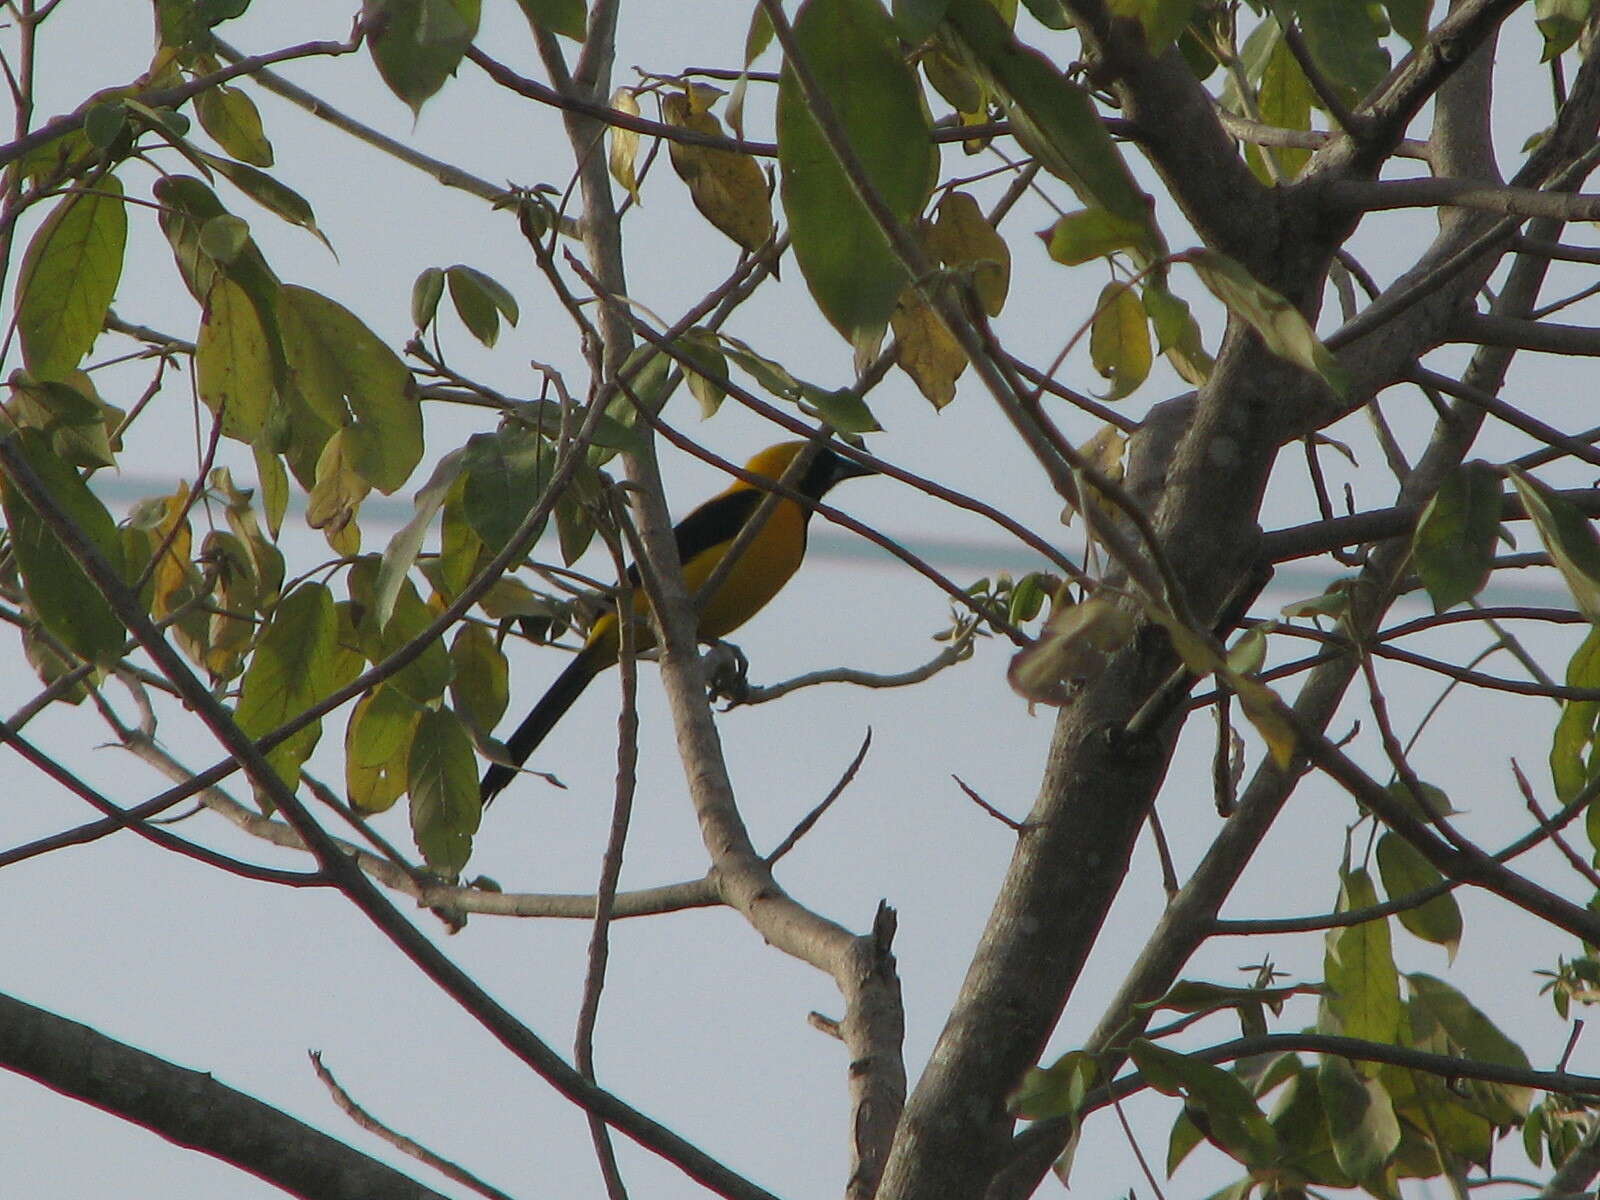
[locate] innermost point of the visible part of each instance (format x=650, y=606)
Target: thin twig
x=815, y=815
x=1011, y=824
x=1574, y=859
x=399, y=1141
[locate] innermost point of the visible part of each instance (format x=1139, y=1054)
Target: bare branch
x=416, y=1150
x=345, y=873
x=959, y=650
x=172, y=97
x=808, y=822
x=1380, y=195
x=1527, y=335
x=191, y=1109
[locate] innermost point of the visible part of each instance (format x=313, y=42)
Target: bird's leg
x=726, y=671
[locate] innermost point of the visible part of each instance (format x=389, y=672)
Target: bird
x=703, y=538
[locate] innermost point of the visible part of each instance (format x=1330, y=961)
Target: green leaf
x=274, y=482
x=1455, y=539
x=442, y=777
x=69, y=276
x=1052, y=117
x=844, y=409
x=1469, y=1033
x=425, y=295
x=425, y=678
x=651, y=373
x=1409, y=18
x=1193, y=996
x=224, y=237
x=916, y=19
x=292, y=668
x=1344, y=43
x=377, y=743
x=1427, y=803
x=1048, y=13
x=105, y=123
x=1091, y=233
x=1568, y=536
x=506, y=474
x=60, y=594
x=1161, y=20
x=1299, y=1120
x=1119, y=340
x=417, y=44
x=380, y=727
x=1177, y=333
x=188, y=206
x=480, y=302
x=69, y=411
x=1560, y=22
x=1363, y=988
x=770, y=375
x=1057, y=1090
x=266, y=191
x=1572, y=757
x=1361, y=1119
x=1027, y=599
x=349, y=378
x=1405, y=871
x=1232, y=1117
x=292, y=665
x=1185, y=1136
x=230, y=116
x=1284, y=97
x=566, y=17
x=480, y=687
x=700, y=347
x=850, y=48
x=1249, y=652
x=233, y=363
x=1280, y=325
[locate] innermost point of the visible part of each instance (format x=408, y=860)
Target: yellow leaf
x=925, y=349
x=624, y=153
x=962, y=237
x=727, y=187
x=1104, y=452
x=1075, y=645
x=334, y=498
x=702, y=96
x=172, y=579
x=1266, y=712
x=1119, y=340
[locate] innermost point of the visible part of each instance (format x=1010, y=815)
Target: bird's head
x=826, y=469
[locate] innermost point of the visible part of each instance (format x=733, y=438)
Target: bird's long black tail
x=551, y=708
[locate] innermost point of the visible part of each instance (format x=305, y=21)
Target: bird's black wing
x=716, y=522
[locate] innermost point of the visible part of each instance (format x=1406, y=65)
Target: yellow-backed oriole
x=703, y=538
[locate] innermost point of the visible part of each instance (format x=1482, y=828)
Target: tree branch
x=1518, y=334
x=173, y=96
x=192, y=1109
x=1382, y=195
x=347, y=875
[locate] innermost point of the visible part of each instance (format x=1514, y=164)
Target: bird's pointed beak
x=849, y=469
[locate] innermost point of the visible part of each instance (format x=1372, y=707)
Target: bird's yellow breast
x=765, y=565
